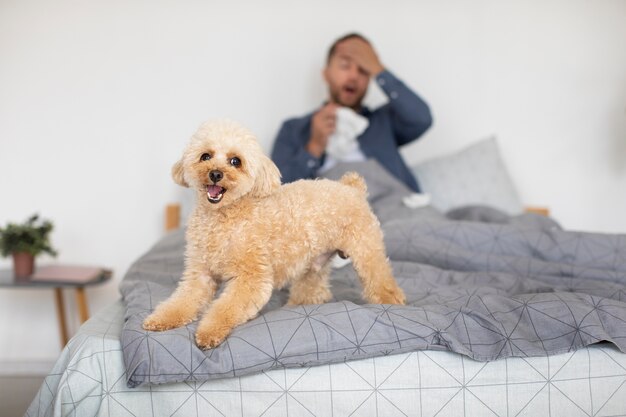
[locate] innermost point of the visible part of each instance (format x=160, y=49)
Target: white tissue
x=342, y=144
x=416, y=200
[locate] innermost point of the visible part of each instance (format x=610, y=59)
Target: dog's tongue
x=214, y=190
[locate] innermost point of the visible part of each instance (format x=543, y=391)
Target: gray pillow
x=475, y=175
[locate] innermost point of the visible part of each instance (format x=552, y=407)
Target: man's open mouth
x=350, y=89
x=215, y=193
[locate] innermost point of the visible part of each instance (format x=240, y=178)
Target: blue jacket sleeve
x=289, y=153
x=410, y=115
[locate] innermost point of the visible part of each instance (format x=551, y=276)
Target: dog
x=254, y=235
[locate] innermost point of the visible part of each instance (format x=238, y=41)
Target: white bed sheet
x=89, y=379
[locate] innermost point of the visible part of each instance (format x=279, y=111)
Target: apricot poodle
x=252, y=234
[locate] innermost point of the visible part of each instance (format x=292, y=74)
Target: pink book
x=66, y=273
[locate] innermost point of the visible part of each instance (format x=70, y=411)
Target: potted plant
x=24, y=242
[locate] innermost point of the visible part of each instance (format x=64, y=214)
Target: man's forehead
x=340, y=57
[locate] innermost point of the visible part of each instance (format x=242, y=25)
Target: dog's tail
x=354, y=180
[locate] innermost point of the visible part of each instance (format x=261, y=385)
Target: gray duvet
x=478, y=282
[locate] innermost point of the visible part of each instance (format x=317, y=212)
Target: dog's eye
x=236, y=162
x=205, y=157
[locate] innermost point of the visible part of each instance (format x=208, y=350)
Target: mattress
x=89, y=379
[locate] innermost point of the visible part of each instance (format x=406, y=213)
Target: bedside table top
x=58, y=279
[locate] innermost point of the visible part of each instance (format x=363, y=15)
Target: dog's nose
x=216, y=175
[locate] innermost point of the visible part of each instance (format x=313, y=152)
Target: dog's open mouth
x=215, y=193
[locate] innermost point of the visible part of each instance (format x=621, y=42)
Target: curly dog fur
x=254, y=235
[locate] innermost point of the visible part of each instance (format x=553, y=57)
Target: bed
x=506, y=315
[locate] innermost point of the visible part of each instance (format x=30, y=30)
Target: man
x=300, y=148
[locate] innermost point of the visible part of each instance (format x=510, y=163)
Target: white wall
x=97, y=99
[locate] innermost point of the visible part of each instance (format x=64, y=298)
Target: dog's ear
x=177, y=174
x=267, y=178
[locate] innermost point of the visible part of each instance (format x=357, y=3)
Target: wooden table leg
x=58, y=296
x=81, y=300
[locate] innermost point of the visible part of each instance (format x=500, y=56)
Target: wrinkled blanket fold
x=498, y=287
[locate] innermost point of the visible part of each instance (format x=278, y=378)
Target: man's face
x=347, y=82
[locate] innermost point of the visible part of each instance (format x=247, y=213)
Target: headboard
x=172, y=215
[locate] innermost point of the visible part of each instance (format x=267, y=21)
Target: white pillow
x=474, y=175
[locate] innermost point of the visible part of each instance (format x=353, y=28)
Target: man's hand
x=322, y=126
x=362, y=54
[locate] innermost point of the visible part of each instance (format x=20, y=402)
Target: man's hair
x=333, y=47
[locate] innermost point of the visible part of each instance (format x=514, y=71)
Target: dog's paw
x=208, y=337
x=158, y=323
x=389, y=296
x=397, y=297
x=152, y=323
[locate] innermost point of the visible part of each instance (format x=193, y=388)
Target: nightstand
x=57, y=283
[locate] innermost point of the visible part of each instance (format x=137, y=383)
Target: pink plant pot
x=23, y=264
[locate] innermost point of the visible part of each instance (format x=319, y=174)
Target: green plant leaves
x=32, y=236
